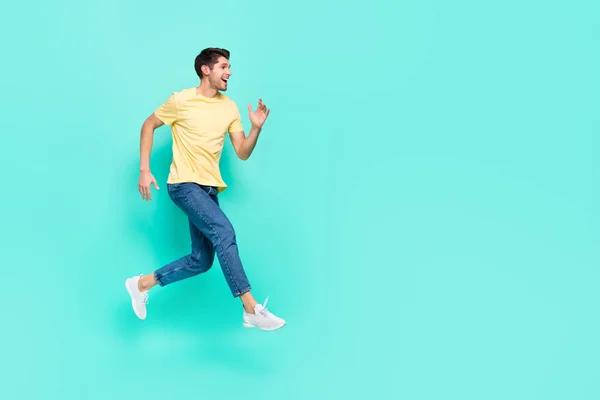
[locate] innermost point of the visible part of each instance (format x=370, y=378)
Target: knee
x=199, y=263
x=225, y=236
x=208, y=259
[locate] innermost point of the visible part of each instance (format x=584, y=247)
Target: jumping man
x=200, y=117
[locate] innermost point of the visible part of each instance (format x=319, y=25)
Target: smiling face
x=213, y=68
x=219, y=74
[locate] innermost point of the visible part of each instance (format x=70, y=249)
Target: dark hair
x=209, y=57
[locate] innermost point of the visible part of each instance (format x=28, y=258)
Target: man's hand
x=146, y=179
x=258, y=117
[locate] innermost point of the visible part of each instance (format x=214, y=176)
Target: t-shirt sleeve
x=167, y=111
x=236, y=124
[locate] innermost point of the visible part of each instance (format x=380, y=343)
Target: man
x=200, y=117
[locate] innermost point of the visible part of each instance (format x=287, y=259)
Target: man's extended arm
x=146, y=137
x=245, y=145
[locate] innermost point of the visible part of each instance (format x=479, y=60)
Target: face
x=219, y=74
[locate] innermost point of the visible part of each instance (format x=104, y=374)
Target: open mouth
x=224, y=79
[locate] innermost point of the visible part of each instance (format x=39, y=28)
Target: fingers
x=142, y=191
x=261, y=109
x=144, y=185
x=264, y=108
x=145, y=190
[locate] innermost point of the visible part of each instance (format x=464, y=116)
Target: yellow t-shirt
x=199, y=126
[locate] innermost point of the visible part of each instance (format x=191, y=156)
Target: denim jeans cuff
x=241, y=292
x=158, y=279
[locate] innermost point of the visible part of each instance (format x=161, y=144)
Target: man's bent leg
x=201, y=206
x=198, y=261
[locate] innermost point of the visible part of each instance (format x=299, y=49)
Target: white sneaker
x=138, y=299
x=262, y=318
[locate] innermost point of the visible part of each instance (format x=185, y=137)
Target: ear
x=205, y=69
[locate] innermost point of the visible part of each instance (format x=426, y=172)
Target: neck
x=206, y=90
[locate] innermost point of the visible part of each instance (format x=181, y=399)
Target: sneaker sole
x=250, y=326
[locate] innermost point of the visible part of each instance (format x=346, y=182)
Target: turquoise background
x=421, y=206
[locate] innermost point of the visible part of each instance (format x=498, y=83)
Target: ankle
x=248, y=302
x=141, y=286
x=146, y=283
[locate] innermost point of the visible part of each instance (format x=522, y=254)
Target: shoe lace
x=264, y=311
x=145, y=297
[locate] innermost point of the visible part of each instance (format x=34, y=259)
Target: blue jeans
x=211, y=231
